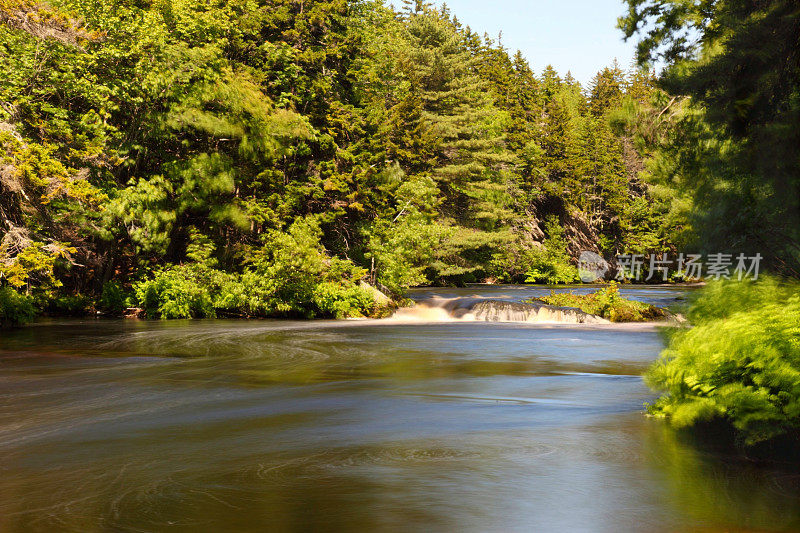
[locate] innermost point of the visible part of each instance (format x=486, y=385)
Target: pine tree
x=606, y=89
x=471, y=164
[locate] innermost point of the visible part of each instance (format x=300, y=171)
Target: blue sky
x=575, y=35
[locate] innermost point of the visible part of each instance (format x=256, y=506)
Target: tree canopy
x=735, y=149
x=394, y=147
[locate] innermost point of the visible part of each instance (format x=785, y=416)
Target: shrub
x=180, y=291
x=511, y=263
x=290, y=275
x=551, y=264
x=607, y=303
x=285, y=270
x=333, y=299
x=545, y=269
x=15, y=308
x=402, y=251
x=739, y=364
x=113, y=299
x=68, y=305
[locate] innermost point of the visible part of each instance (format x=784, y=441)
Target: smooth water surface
x=356, y=426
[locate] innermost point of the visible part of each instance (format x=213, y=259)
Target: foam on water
x=490, y=310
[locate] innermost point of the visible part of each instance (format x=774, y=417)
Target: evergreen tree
x=737, y=151
x=607, y=89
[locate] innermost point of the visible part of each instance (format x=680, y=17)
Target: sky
x=572, y=35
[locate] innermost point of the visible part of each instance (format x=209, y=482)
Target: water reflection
x=717, y=489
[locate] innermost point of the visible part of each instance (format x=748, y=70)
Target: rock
x=380, y=298
x=133, y=312
x=478, y=309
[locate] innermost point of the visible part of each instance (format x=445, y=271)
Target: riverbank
x=359, y=301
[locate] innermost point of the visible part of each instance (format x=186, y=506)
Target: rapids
x=490, y=310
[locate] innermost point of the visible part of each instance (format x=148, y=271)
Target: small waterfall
x=483, y=310
x=501, y=311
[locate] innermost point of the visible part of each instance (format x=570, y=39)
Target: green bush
x=552, y=272
x=551, y=263
x=335, y=300
x=290, y=275
x=607, y=303
x=196, y=291
x=402, y=251
x=113, y=299
x=15, y=308
x=284, y=271
x=179, y=291
x=739, y=364
x=511, y=263
x=68, y=305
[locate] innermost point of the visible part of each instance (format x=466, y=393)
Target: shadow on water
x=718, y=487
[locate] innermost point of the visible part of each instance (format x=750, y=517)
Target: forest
x=264, y=158
x=283, y=158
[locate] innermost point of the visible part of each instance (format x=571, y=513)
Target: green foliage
x=733, y=71
x=33, y=265
x=266, y=149
x=719, y=300
x=68, y=305
x=290, y=275
x=288, y=266
x=113, y=299
x=197, y=291
x=551, y=263
x=15, y=308
x=403, y=251
x=510, y=263
x=183, y=291
x=606, y=303
x=740, y=363
x=550, y=270
x=333, y=299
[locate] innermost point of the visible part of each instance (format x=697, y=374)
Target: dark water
x=356, y=426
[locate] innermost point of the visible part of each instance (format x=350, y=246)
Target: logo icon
x=591, y=266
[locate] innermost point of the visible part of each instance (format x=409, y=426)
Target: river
x=112, y=425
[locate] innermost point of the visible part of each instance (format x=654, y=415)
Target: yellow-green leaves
x=33, y=264
x=740, y=362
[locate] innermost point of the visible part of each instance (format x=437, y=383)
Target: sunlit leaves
x=739, y=363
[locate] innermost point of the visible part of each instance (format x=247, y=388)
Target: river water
x=384, y=425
